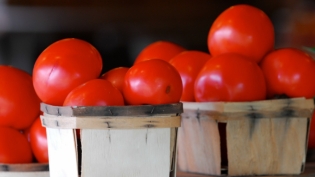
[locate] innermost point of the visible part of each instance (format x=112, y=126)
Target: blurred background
x=120, y=29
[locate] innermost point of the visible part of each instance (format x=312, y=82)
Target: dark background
x=120, y=29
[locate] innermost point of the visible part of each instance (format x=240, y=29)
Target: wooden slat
x=132, y=153
x=110, y=122
x=62, y=151
x=199, y=145
x=278, y=108
x=25, y=174
x=266, y=146
x=309, y=172
x=24, y=167
x=143, y=110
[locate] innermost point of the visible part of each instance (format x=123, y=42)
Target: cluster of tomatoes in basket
x=22, y=137
x=242, y=65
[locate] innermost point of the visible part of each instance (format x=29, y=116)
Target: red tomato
x=242, y=29
x=96, y=92
x=164, y=50
x=19, y=104
x=116, y=76
x=152, y=82
x=290, y=72
x=38, y=140
x=230, y=77
x=188, y=64
x=14, y=147
x=311, y=138
x=62, y=66
x=26, y=133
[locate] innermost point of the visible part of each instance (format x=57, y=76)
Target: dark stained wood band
x=30, y=167
x=143, y=110
x=224, y=111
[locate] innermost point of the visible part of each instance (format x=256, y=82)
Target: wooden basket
x=137, y=141
x=24, y=170
x=263, y=137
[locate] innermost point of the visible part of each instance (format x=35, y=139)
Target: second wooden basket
x=263, y=137
x=133, y=141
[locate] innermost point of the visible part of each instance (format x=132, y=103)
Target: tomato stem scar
x=168, y=89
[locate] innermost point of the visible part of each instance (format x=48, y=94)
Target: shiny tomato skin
x=14, y=147
x=38, y=141
x=230, y=77
x=152, y=82
x=188, y=64
x=164, y=50
x=290, y=72
x=19, y=104
x=116, y=76
x=96, y=92
x=242, y=29
x=64, y=65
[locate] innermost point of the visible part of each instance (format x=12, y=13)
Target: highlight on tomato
x=152, y=82
x=230, y=77
x=64, y=65
x=19, y=103
x=242, y=29
x=164, y=50
x=116, y=76
x=188, y=64
x=290, y=72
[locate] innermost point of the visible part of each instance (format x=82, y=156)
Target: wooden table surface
x=308, y=172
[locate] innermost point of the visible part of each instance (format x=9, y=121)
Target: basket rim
x=128, y=110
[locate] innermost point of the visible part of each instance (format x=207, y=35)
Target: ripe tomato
x=19, y=104
x=164, y=50
x=290, y=72
x=152, y=82
x=242, y=29
x=26, y=133
x=96, y=92
x=230, y=77
x=116, y=76
x=64, y=65
x=188, y=64
x=14, y=147
x=311, y=138
x=38, y=141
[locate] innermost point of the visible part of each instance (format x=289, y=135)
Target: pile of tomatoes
x=22, y=138
x=242, y=64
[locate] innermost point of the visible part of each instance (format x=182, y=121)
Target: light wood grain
x=132, y=153
x=62, y=152
x=110, y=122
x=266, y=146
x=264, y=137
x=25, y=174
x=199, y=145
x=309, y=172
